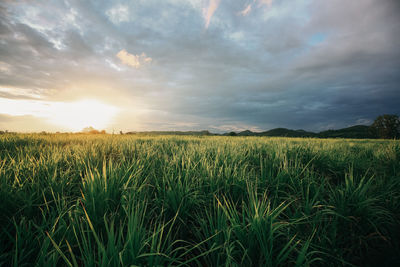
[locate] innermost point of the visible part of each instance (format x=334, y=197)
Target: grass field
x=118, y=200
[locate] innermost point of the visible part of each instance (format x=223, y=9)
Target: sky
x=214, y=65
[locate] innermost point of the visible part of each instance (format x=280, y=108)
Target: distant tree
x=232, y=134
x=88, y=129
x=386, y=126
x=92, y=130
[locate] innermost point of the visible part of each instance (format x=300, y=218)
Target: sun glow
x=73, y=116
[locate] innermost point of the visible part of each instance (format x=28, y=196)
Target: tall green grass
x=89, y=200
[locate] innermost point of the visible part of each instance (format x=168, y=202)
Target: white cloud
x=133, y=60
x=5, y=68
x=209, y=11
x=264, y=2
x=237, y=36
x=118, y=14
x=246, y=10
x=21, y=92
x=112, y=65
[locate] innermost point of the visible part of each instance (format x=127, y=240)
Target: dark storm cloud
x=304, y=64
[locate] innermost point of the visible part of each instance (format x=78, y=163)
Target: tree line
x=386, y=126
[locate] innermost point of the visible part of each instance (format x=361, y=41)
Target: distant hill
x=287, y=133
x=357, y=131
x=278, y=132
x=247, y=133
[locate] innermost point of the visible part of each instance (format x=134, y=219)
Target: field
x=119, y=200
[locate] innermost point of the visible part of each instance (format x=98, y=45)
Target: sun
x=80, y=114
x=71, y=116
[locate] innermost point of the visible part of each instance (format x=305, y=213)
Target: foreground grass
x=90, y=200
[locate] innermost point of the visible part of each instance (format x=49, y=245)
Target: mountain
x=357, y=131
x=287, y=133
x=247, y=133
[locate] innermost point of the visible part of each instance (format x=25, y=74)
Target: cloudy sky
x=197, y=64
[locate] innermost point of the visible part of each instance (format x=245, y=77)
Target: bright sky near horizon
x=216, y=65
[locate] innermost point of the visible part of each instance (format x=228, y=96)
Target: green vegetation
x=386, y=126
x=132, y=200
x=358, y=131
